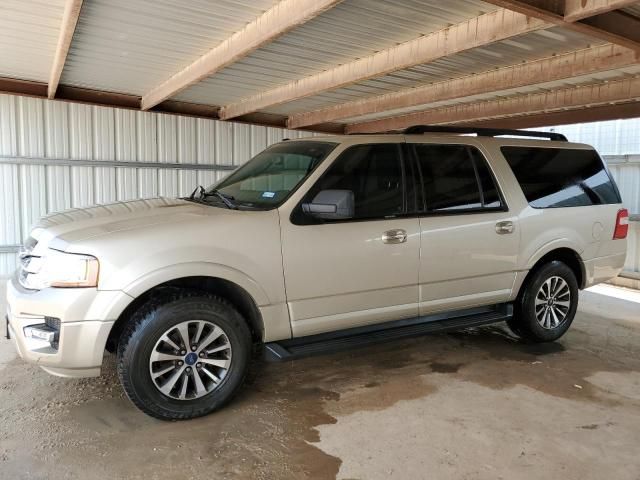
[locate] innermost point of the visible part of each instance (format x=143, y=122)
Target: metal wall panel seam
x=110, y=163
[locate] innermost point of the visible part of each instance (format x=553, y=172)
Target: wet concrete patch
x=441, y=367
x=408, y=407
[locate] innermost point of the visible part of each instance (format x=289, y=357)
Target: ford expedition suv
x=318, y=242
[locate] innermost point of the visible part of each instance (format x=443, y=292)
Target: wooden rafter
x=619, y=91
x=550, y=69
x=276, y=21
x=575, y=10
x=69, y=21
x=597, y=18
x=476, y=32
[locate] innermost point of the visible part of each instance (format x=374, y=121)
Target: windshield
x=268, y=178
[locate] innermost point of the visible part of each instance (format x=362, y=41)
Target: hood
x=60, y=229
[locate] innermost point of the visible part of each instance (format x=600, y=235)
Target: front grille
x=54, y=323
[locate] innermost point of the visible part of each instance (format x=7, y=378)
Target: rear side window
x=456, y=178
x=561, y=177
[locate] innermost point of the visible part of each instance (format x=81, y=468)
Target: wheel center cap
x=191, y=358
x=550, y=302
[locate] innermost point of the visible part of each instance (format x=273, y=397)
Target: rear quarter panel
x=586, y=230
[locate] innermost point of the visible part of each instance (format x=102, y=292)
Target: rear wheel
x=547, y=305
x=184, y=357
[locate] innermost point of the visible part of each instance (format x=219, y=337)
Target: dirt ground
x=471, y=405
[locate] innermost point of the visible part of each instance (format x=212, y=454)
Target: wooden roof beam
x=597, y=18
x=278, y=20
x=619, y=91
x=476, y=32
x=558, y=67
x=69, y=21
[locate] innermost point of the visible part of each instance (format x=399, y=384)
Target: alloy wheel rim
x=553, y=302
x=190, y=360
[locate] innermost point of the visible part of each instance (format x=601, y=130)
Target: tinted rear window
x=560, y=177
x=456, y=178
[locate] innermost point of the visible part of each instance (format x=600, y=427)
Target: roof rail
x=483, y=132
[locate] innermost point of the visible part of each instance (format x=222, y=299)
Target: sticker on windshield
x=269, y=194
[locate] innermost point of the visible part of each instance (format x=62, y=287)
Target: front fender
x=197, y=269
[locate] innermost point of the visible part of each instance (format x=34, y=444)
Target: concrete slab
x=474, y=404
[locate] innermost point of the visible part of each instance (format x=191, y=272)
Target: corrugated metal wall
x=57, y=155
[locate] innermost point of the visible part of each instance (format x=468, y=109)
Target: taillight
x=622, y=224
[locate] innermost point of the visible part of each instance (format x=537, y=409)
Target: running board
x=386, y=332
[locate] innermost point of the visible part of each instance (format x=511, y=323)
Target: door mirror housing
x=331, y=205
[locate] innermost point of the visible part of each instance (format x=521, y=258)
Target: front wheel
x=547, y=305
x=185, y=356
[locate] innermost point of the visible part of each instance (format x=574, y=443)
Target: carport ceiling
x=332, y=65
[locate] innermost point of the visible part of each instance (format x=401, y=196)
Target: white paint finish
x=31, y=127
x=105, y=184
x=8, y=125
x=187, y=144
x=33, y=201
x=126, y=184
x=56, y=131
x=103, y=133
x=28, y=37
x=147, y=133
x=58, y=188
x=206, y=138
x=80, y=131
x=130, y=47
x=83, y=187
x=126, y=135
x=9, y=206
x=167, y=142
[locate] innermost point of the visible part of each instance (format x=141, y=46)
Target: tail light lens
x=622, y=224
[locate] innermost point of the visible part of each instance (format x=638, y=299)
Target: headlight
x=58, y=269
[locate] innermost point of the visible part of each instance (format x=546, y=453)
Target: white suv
x=317, y=244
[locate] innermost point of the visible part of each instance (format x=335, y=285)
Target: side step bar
x=386, y=332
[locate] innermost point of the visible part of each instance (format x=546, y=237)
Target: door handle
x=505, y=227
x=394, y=236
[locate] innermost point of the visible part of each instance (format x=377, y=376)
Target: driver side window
x=374, y=174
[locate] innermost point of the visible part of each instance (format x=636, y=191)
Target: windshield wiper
x=226, y=199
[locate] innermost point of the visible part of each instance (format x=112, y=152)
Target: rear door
x=347, y=273
x=469, y=240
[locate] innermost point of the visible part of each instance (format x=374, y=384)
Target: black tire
x=525, y=323
x=145, y=328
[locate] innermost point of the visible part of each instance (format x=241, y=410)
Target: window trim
x=614, y=185
x=297, y=210
x=425, y=212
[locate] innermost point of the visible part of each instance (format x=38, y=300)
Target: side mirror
x=331, y=205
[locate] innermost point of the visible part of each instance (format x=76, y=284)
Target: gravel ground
x=470, y=405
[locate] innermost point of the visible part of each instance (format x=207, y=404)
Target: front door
x=469, y=239
x=347, y=273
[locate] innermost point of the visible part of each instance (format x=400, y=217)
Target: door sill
x=385, y=332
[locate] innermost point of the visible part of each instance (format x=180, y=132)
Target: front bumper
x=86, y=317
